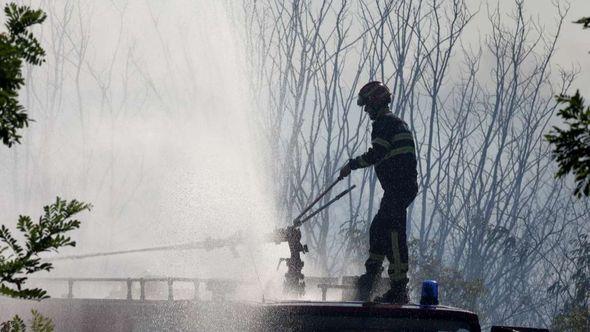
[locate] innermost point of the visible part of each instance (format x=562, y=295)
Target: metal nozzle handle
x=317, y=199
x=298, y=223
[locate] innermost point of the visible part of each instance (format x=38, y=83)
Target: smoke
x=143, y=110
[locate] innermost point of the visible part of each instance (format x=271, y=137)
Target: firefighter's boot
x=365, y=284
x=398, y=294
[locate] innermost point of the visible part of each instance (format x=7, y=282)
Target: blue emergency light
x=429, y=293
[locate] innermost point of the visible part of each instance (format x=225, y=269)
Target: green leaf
x=26, y=294
x=16, y=324
x=39, y=323
x=49, y=233
x=17, y=46
x=571, y=146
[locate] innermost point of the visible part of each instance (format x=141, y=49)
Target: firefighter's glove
x=344, y=171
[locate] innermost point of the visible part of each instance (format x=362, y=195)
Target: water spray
x=294, y=279
x=208, y=244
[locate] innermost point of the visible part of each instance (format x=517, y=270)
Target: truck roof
x=370, y=310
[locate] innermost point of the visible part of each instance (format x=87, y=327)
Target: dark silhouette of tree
x=16, y=46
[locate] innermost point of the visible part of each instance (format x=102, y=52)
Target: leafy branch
x=38, y=323
x=18, y=45
x=585, y=21
x=575, y=312
x=572, y=145
x=48, y=234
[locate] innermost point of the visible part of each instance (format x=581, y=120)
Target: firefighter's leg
x=379, y=239
x=398, y=262
x=379, y=243
x=397, y=253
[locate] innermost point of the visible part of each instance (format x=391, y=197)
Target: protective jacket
x=392, y=151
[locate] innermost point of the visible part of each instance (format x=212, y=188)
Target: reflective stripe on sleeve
x=402, y=137
x=382, y=142
x=398, y=151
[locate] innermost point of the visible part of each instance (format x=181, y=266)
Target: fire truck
x=426, y=316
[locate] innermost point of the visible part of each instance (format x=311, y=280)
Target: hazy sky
x=574, y=44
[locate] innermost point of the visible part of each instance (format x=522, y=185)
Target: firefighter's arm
x=378, y=150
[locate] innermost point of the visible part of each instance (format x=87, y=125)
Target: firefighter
x=393, y=155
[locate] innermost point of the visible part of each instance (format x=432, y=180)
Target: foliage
x=575, y=314
x=16, y=324
x=456, y=290
x=585, y=21
x=572, y=145
x=573, y=320
x=18, y=45
x=354, y=234
x=572, y=151
x=19, y=260
x=38, y=323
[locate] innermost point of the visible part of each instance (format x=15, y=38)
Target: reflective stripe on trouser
x=387, y=235
x=398, y=269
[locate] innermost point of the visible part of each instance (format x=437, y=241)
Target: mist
x=187, y=120
x=142, y=109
